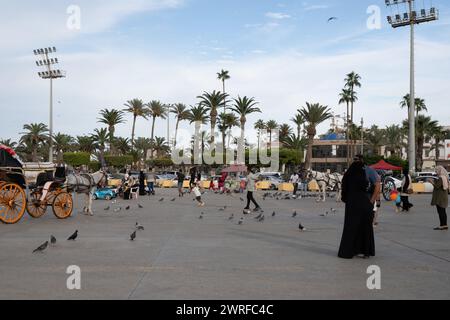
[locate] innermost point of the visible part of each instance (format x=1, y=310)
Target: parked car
x=105, y=194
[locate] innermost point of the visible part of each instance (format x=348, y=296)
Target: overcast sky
x=283, y=53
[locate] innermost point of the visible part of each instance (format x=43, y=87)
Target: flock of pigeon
x=259, y=218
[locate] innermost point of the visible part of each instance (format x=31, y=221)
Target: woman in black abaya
x=357, y=237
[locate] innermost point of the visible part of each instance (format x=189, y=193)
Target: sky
x=284, y=53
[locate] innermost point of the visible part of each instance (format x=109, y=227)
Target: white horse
x=326, y=181
x=87, y=184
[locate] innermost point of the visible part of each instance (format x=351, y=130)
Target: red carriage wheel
x=13, y=203
x=62, y=205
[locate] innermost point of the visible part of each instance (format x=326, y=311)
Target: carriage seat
x=60, y=175
x=42, y=178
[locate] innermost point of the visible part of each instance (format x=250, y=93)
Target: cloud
x=277, y=15
x=307, y=7
x=280, y=82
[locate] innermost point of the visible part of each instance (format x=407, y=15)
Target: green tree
x=223, y=76
x=284, y=132
x=85, y=144
x=143, y=145
x=352, y=81
x=211, y=101
x=299, y=122
x=156, y=109
x=314, y=114
x=112, y=118
x=394, y=139
x=376, y=139
x=62, y=143
x=271, y=125
x=181, y=114
x=35, y=136
x=259, y=126
x=419, y=104
x=8, y=143
x=137, y=108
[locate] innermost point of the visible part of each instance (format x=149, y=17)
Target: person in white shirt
x=295, y=178
x=252, y=177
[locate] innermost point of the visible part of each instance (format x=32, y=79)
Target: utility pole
x=411, y=18
x=362, y=136
x=50, y=74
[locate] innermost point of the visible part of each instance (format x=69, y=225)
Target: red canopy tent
x=383, y=165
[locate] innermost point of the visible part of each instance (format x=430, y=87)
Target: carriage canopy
x=9, y=158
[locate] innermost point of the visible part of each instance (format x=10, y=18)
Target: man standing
x=180, y=179
x=374, y=188
x=294, y=180
x=252, y=177
x=151, y=182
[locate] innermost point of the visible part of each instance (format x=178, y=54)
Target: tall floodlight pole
x=49, y=74
x=411, y=18
x=362, y=136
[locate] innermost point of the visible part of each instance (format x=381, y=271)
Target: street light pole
x=362, y=136
x=49, y=74
x=410, y=19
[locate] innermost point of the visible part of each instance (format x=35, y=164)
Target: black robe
x=358, y=236
x=142, y=191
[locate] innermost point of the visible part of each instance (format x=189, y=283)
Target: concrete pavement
x=179, y=256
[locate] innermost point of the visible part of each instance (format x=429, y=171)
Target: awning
x=383, y=165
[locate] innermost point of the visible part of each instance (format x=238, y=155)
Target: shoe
x=440, y=228
x=257, y=209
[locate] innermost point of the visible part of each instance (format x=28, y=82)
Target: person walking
x=142, y=183
x=252, y=177
x=405, y=191
x=192, y=176
x=198, y=194
x=180, y=179
x=151, y=182
x=295, y=180
x=440, y=196
x=357, y=236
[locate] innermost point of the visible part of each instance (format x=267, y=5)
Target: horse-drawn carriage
x=32, y=187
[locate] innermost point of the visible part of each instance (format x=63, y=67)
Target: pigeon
x=302, y=228
x=41, y=248
x=173, y=200
x=73, y=236
x=161, y=200
x=107, y=208
x=201, y=216
x=222, y=209
x=140, y=206
x=133, y=236
x=139, y=227
x=332, y=18
x=273, y=214
x=261, y=219
x=241, y=221
x=294, y=214
x=259, y=216
x=241, y=199
x=333, y=210
x=52, y=239
x=324, y=215
x=231, y=217
x=117, y=209
x=127, y=208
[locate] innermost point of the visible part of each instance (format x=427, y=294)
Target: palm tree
x=244, y=107
x=137, y=108
x=8, y=143
x=85, y=144
x=181, y=113
x=347, y=96
x=156, y=109
x=223, y=75
x=419, y=104
x=271, y=125
x=439, y=136
x=226, y=122
x=211, y=101
x=352, y=81
x=376, y=139
x=143, y=145
x=299, y=122
x=259, y=125
x=123, y=145
x=161, y=147
x=62, y=143
x=295, y=142
x=100, y=138
x=198, y=115
x=314, y=114
x=111, y=118
x=394, y=139
x=36, y=135
x=285, y=131
x=425, y=129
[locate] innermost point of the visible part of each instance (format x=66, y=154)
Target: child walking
x=198, y=195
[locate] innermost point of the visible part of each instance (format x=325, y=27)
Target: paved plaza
x=179, y=256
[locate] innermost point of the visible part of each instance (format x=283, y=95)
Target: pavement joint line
x=415, y=249
x=144, y=274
